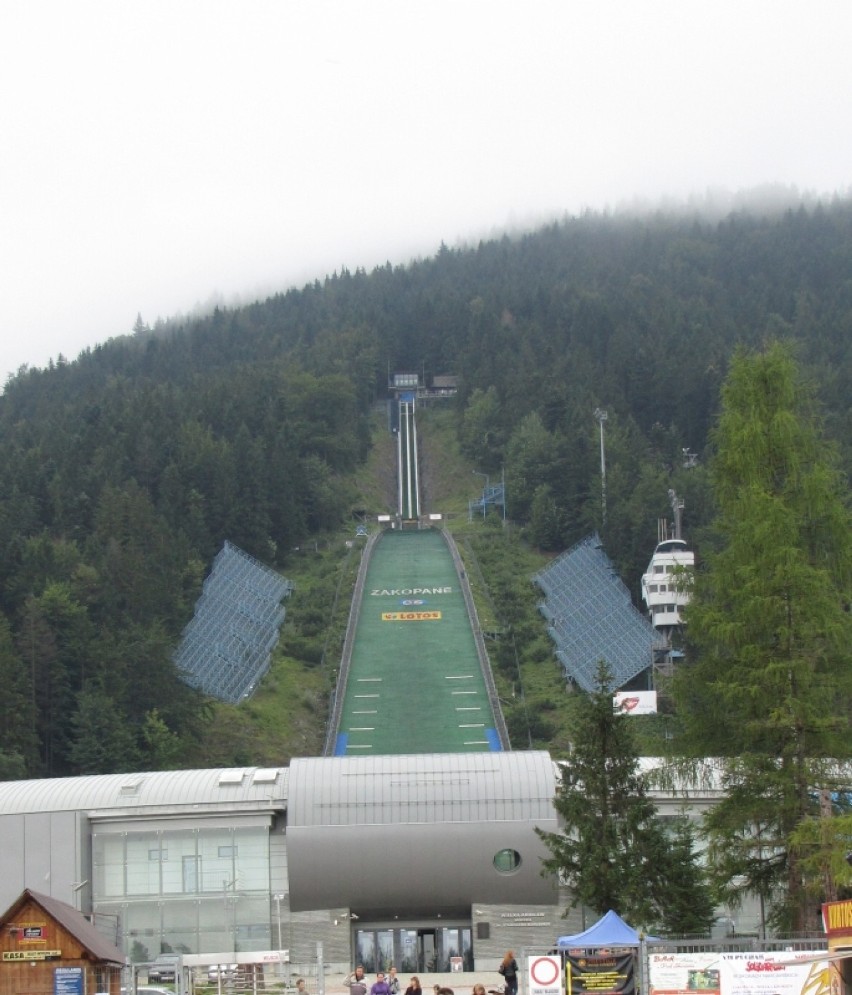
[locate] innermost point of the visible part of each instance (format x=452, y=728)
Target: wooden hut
x=47, y=946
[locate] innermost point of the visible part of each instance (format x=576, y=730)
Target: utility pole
x=600, y=414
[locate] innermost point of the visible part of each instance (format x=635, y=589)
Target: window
x=227, y=851
x=190, y=874
x=507, y=861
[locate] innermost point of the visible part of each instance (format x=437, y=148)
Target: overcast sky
x=159, y=155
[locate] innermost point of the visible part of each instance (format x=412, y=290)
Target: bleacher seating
x=591, y=617
x=226, y=647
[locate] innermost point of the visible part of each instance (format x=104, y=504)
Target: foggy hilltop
x=124, y=471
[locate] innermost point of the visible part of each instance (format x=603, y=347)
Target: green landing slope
x=415, y=684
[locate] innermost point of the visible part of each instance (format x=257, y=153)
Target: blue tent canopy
x=610, y=931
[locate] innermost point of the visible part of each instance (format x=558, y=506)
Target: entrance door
x=426, y=952
x=413, y=951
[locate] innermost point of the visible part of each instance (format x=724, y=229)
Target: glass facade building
x=186, y=890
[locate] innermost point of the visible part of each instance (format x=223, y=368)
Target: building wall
x=48, y=852
x=510, y=926
x=193, y=861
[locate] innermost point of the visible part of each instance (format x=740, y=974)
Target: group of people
x=385, y=984
x=388, y=984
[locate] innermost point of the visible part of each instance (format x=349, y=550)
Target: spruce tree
x=769, y=683
x=613, y=851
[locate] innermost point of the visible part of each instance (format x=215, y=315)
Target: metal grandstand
x=226, y=647
x=591, y=617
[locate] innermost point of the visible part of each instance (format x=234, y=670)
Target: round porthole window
x=507, y=861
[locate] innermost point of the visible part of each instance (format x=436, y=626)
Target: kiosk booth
x=49, y=948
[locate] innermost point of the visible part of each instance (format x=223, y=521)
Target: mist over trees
x=122, y=473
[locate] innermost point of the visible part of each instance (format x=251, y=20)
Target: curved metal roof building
x=471, y=818
x=152, y=790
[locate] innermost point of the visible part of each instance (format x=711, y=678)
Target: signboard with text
x=804, y=972
x=837, y=918
x=32, y=954
x=602, y=974
x=68, y=981
x=680, y=974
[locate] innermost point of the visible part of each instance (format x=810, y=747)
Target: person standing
x=356, y=982
x=381, y=986
x=509, y=969
x=393, y=981
x=414, y=987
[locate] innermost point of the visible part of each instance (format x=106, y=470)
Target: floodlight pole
x=277, y=899
x=600, y=414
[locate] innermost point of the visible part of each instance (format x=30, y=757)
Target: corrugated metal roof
x=222, y=787
x=430, y=788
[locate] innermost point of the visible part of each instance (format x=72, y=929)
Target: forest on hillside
x=123, y=471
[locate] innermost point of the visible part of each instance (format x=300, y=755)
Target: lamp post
x=277, y=899
x=226, y=886
x=76, y=888
x=600, y=414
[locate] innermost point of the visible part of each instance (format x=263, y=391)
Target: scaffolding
x=493, y=496
x=591, y=617
x=226, y=648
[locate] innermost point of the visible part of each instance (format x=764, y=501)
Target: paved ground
x=461, y=984
x=415, y=684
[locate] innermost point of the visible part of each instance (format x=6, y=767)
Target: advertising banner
x=635, y=702
x=679, y=974
x=803, y=972
x=603, y=974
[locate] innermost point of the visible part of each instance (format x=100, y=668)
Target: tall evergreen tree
x=688, y=908
x=614, y=852
x=18, y=735
x=103, y=742
x=770, y=684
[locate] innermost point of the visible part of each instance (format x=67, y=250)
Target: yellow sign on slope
x=410, y=616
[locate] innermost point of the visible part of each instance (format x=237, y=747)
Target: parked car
x=164, y=968
x=223, y=971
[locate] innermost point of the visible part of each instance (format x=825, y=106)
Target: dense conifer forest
x=122, y=472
